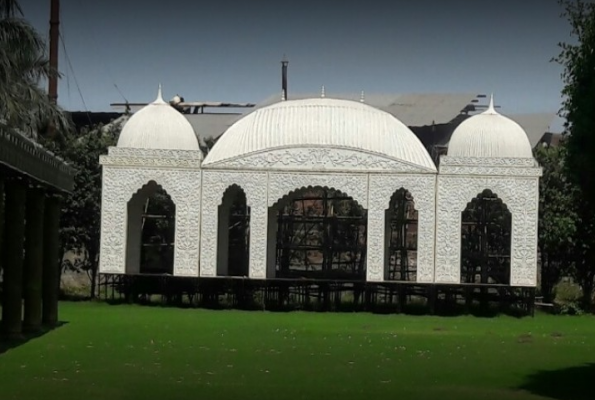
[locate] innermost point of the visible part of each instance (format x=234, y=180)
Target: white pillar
x=387, y=254
x=272, y=243
x=376, y=243
x=258, y=237
x=223, y=236
x=134, y=234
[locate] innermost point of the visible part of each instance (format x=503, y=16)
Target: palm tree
x=25, y=107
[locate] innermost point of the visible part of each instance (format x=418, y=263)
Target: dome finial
x=283, y=98
x=362, y=98
x=322, y=94
x=159, y=99
x=491, y=109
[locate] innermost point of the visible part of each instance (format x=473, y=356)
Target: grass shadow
x=416, y=309
x=575, y=383
x=7, y=344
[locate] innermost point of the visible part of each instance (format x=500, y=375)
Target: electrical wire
x=67, y=57
x=104, y=64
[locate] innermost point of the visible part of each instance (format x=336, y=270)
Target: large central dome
x=321, y=123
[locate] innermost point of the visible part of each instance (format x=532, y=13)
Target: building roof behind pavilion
x=536, y=125
x=414, y=110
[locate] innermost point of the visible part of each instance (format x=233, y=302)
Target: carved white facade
x=516, y=183
x=128, y=171
x=275, y=151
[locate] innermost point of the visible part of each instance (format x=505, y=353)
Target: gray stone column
x=51, y=264
x=33, y=260
x=14, y=237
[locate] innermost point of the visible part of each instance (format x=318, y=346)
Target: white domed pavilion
x=488, y=151
x=351, y=147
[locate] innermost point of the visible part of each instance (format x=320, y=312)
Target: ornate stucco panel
x=120, y=184
x=510, y=163
x=382, y=187
x=353, y=185
x=318, y=159
x=520, y=194
x=254, y=185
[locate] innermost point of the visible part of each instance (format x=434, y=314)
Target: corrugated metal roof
x=535, y=125
x=413, y=109
x=428, y=109
x=211, y=125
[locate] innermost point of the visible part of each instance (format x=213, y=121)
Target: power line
x=104, y=64
x=74, y=77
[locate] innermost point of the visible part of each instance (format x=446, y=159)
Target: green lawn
x=133, y=352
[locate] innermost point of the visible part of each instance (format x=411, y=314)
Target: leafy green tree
x=81, y=213
x=23, y=66
x=557, y=218
x=578, y=60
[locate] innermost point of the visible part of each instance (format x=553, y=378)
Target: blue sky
x=231, y=51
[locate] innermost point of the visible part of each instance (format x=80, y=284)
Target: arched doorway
x=151, y=231
x=233, y=242
x=486, y=241
x=320, y=233
x=401, y=221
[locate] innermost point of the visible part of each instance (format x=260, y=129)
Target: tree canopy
x=81, y=213
x=557, y=218
x=578, y=60
x=25, y=106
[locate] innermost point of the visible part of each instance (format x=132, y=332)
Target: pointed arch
x=254, y=185
x=317, y=232
x=486, y=232
x=150, y=233
x=293, y=194
x=233, y=242
x=401, y=227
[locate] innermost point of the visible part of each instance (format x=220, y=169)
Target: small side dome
x=489, y=135
x=158, y=126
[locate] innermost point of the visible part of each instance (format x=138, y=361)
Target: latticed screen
x=158, y=234
x=401, y=220
x=485, y=241
x=321, y=234
x=239, y=236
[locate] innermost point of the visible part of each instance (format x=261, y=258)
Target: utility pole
x=54, y=43
x=284, y=64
